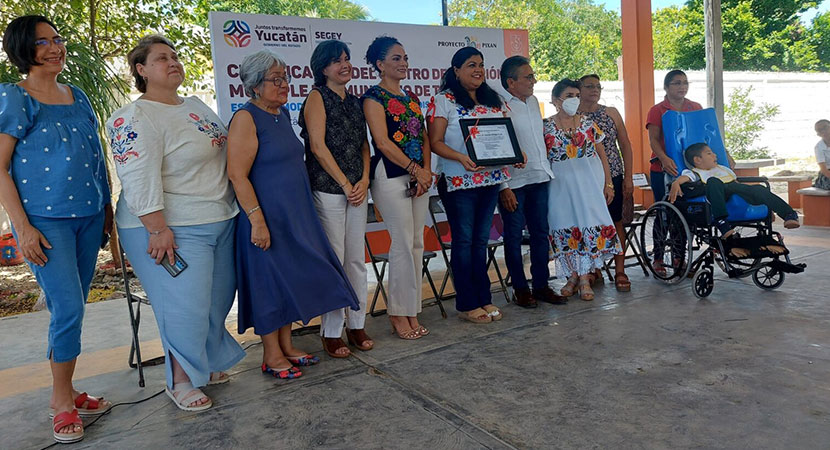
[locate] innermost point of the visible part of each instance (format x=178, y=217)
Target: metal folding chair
x=632, y=250
x=442, y=232
x=381, y=236
x=134, y=359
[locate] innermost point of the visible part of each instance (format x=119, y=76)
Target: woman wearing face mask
x=402, y=156
x=469, y=192
x=583, y=234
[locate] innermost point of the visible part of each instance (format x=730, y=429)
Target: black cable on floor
x=86, y=427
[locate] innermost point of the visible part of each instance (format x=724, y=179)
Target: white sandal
x=222, y=379
x=188, y=394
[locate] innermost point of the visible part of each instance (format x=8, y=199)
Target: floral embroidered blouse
x=171, y=158
x=563, y=145
x=57, y=164
x=404, y=126
x=444, y=105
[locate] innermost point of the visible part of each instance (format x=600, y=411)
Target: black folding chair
x=383, y=259
x=436, y=212
x=134, y=359
x=632, y=250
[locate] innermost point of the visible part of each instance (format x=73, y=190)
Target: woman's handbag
x=822, y=182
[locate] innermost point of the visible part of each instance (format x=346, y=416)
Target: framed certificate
x=491, y=141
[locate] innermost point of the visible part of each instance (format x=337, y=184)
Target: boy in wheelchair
x=720, y=183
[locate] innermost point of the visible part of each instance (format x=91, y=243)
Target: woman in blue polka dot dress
x=54, y=187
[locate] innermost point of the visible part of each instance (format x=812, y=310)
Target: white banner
x=430, y=49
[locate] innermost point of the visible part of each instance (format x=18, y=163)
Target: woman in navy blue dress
x=286, y=268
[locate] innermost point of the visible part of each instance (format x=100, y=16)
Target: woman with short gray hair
x=281, y=248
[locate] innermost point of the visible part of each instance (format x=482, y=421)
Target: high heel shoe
x=408, y=335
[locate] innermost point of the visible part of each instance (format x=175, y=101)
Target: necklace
x=265, y=108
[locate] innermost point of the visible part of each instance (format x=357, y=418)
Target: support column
x=638, y=80
x=714, y=58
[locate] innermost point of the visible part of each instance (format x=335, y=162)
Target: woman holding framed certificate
x=469, y=190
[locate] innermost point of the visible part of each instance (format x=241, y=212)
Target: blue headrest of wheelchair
x=682, y=129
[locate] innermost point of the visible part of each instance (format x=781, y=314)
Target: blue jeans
x=191, y=309
x=532, y=210
x=66, y=276
x=470, y=215
x=658, y=185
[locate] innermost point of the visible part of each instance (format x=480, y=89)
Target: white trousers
x=404, y=218
x=345, y=226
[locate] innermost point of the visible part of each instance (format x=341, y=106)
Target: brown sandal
x=585, y=291
x=331, y=345
x=569, y=288
x=622, y=283
x=359, y=339
x=478, y=315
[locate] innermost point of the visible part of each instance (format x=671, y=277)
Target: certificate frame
x=509, y=156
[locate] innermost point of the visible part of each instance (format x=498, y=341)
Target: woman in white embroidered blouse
x=177, y=205
x=469, y=192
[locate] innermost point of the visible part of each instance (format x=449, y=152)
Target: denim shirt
x=57, y=166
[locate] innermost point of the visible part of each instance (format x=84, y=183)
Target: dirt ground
x=19, y=290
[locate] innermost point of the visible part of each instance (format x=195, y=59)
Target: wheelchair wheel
x=666, y=243
x=703, y=282
x=768, y=278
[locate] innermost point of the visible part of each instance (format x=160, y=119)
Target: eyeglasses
x=278, y=81
x=592, y=86
x=679, y=83
x=531, y=77
x=59, y=41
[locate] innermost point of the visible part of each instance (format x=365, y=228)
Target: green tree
x=819, y=38
x=744, y=121
x=568, y=38
x=757, y=35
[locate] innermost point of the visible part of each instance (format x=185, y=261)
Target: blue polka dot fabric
x=57, y=166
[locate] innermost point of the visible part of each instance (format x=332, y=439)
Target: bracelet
x=253, y=210
x=344, y=183
x=156, y=233
x=611, y=185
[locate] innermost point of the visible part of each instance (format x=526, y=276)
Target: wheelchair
x=673, y=233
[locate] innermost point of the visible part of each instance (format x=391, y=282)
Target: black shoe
x=547, y=295
x=523, y=298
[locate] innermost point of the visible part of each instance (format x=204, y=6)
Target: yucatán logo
x=237, y=33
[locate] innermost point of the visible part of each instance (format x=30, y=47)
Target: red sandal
x=66, y=419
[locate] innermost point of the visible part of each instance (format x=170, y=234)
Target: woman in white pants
x=401, y=175
x=337, y=160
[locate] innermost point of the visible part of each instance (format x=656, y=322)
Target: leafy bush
x=744, y=121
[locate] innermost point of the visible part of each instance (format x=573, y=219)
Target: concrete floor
x=654, y=368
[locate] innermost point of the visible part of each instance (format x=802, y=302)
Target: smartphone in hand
x=177, y=267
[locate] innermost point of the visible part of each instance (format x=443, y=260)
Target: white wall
x=803, y=98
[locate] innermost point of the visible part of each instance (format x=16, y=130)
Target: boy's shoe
x=791, y=221
x=725, y=228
